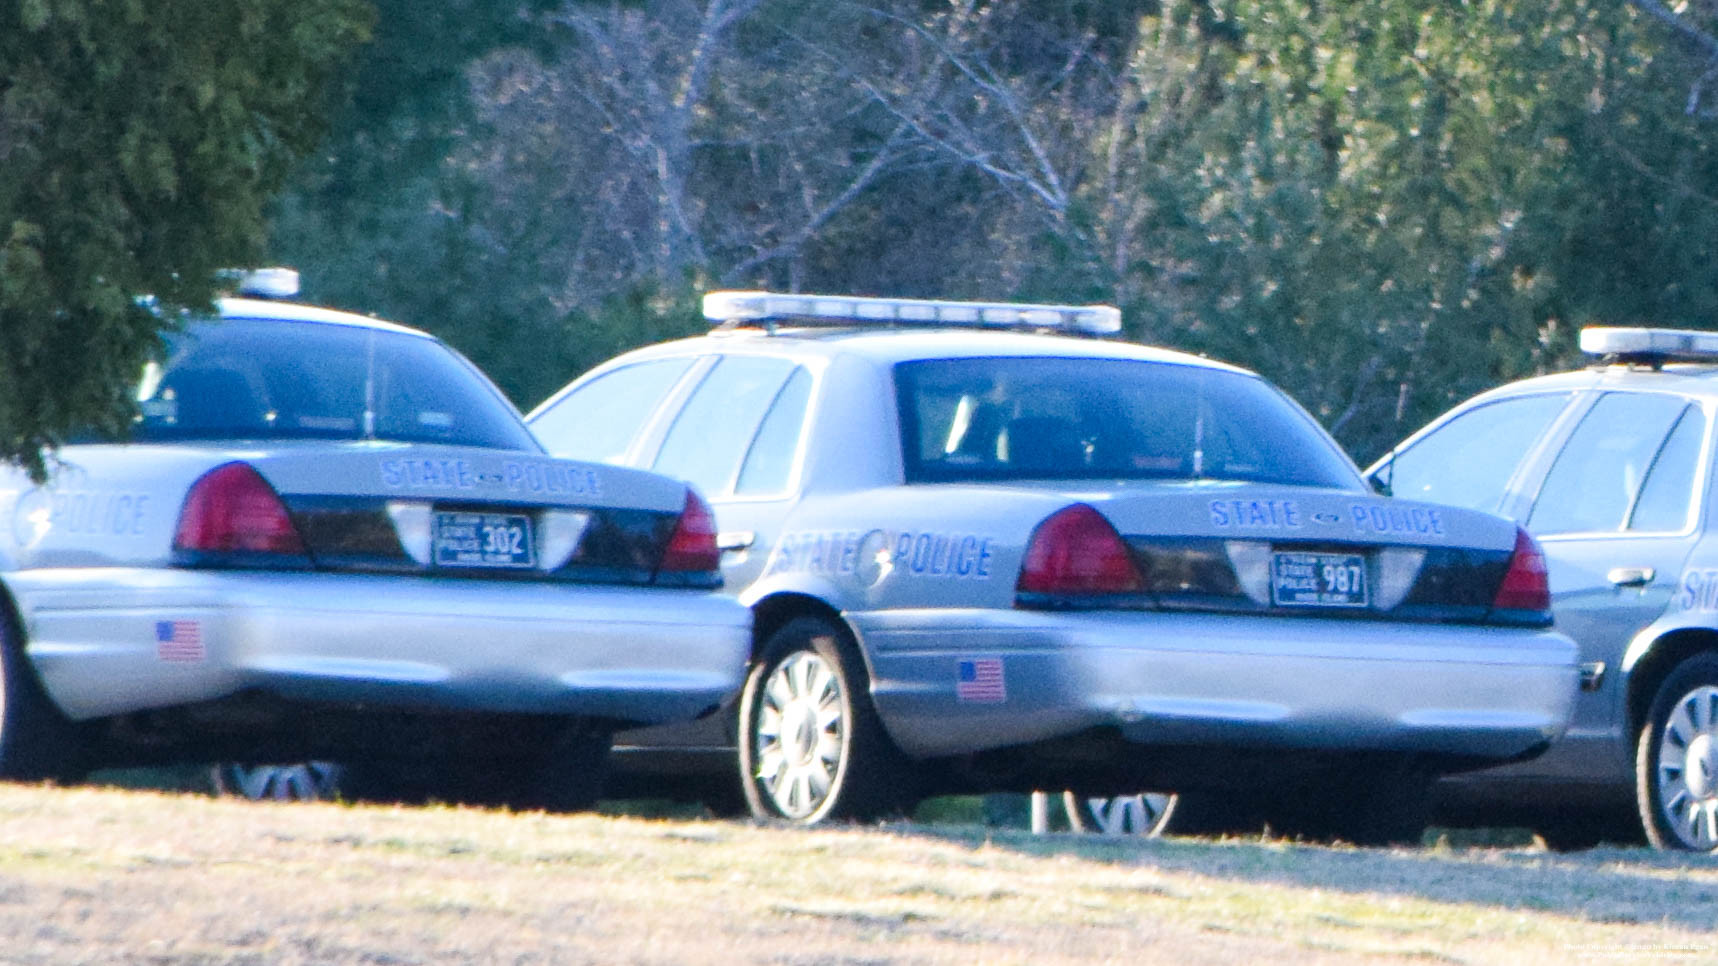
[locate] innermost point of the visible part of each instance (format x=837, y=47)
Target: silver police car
x=986, y=549
x=330, y=536
x=1610, y=468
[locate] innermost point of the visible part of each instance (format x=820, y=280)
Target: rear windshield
x=973, y=420
x=277, y=379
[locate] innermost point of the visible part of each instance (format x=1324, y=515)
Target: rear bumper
x=631, y=654
x=1215, y=680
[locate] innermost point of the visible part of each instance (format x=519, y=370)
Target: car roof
x=243, y=308
x=888, y=345
x=1688, y=378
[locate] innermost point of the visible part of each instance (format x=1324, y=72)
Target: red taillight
x=1076, y=552
x=1525, y=585
x=232, y=509
x=692, y=548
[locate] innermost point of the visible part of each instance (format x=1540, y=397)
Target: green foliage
x=138, y=142
x=1388, y=207
x=1384, y=207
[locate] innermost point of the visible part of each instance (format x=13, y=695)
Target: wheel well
x=11, y=619
x=769, y=614
x=1662, y=658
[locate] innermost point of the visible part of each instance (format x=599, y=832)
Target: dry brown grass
x=93, y=875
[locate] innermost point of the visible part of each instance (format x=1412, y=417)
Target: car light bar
x=264, y=283
x=740, y=307
x=1649, y=345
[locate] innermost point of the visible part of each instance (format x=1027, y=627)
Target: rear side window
x=715, y=429
x=1668, y=493
x=1597, y=479
x=769, y=462
x=1070, y=418
x=1469, y=460
x=598, y=420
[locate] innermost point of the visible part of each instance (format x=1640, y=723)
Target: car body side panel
x=908, y=547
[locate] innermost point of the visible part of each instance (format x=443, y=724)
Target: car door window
x=1594, y=483
x=769, y=463
x=598, y=420
x=1668, y=492
x=714, y=429
x=1470, y=460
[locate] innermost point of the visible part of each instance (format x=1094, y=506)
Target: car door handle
x=1592, y=675
x=1631, y=576
x=734, y=539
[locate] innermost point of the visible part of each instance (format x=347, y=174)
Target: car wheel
x=1146, y=815
x=37, y=743
x=1676, y=760
x=811, y=745
x=305, y=781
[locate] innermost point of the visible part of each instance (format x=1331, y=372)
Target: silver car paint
x=1175, y=678
x=1614, y=627
x=85, y=558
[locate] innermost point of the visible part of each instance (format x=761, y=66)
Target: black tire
x=1676, y=760
x=37, y=743
x=811, y=747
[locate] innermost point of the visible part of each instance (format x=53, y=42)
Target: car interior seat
x=1044, y=444
x=209, y=399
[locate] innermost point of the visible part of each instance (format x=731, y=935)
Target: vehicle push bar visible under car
x=736, y=308
x=1652, y=347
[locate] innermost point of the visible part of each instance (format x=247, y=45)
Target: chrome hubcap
x=1141, y=815
x=309, y=781
x=1688, y=769
x=801, y=735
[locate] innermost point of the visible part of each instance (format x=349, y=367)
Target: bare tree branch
x=1703, y=41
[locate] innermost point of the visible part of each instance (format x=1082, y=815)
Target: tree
x=138, y=144
x=1383, y=207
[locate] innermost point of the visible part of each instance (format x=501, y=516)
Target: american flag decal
x=178, y=640
x=980, y=679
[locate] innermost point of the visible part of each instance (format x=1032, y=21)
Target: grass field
x=102, y=875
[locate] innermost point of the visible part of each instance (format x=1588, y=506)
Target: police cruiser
x=987, y=548
x=330, y=537
x=1610, y=468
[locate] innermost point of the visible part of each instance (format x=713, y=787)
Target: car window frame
x=647, y=438
x=1515, y=499
x=604, y=371
x=1694, y=516
x=801, y=443
x=1546, y=457
x=651, y=438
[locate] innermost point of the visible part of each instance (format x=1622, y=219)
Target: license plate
x=1318, y=579
x=483, y=540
